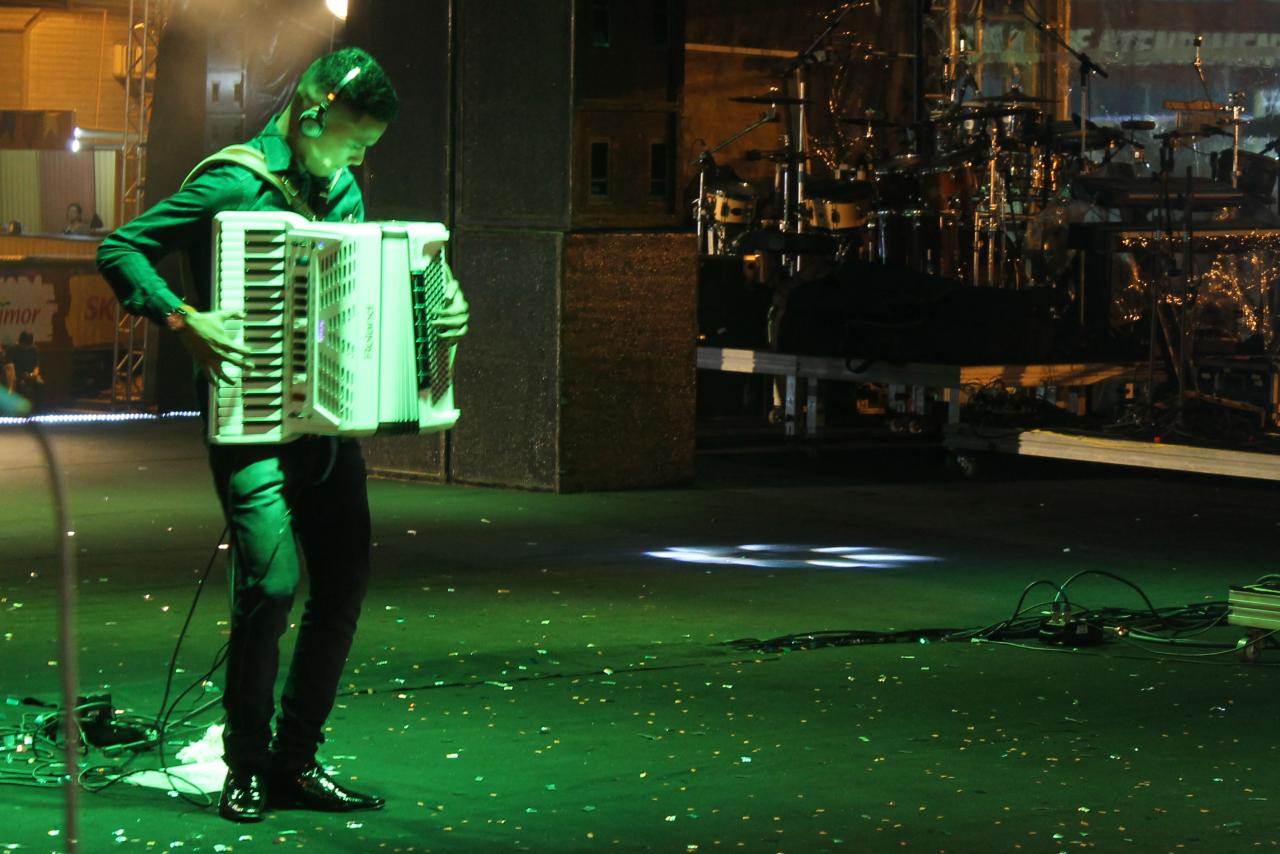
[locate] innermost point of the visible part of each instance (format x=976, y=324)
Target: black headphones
x=311, y=122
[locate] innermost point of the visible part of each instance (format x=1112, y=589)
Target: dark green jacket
x=184, y=222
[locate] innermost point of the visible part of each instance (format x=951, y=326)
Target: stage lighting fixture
x=337, y=7
x=82, y=138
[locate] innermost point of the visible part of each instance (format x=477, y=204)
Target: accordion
x=337, y=317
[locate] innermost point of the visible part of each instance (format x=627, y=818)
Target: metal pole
x=67, y=657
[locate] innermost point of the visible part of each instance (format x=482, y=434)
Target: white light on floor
x=793, y=556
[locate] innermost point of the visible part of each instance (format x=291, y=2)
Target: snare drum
x=733, y=205
x=837, y=206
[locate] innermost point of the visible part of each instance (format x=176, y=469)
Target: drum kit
x=960, y=188
x=957, y=205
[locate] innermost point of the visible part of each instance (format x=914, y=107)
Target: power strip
x=1254, y=605
x=1065, y=630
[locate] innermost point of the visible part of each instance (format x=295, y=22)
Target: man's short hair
x=25, y=338
x=370, y=93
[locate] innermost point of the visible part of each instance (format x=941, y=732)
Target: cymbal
x=838, y=188
x=1070, y=127
x=1014, y=96
x=1065, y=136
x=778, y=156
x=875, y=123
x=972, y=111
x=922, y=164
x=901, y=163
x=769, y=240
x=770, y=98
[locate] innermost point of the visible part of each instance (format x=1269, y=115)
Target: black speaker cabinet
x=567, y=113
x=578, y=372
x=406, y=175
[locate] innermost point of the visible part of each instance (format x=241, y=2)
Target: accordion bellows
x=337, y=316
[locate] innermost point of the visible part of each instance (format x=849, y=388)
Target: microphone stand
x=1087, y=68
x=796, y=64
x=1199, y=67
x=797, y=166
x=809, y=54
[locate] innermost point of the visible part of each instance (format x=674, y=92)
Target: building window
x=600, y=23
x=600, y=169
x=661, y=23
x=659, y=171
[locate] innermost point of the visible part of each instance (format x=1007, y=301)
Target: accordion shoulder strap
x=248, y=157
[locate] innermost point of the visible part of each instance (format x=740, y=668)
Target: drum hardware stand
x=1236, y=101
x=989, y=224
x=1190, y=293
x=1167, y=271
x=1116, y=145
x=703, y=161
x=802, y=167
x=1175, y=332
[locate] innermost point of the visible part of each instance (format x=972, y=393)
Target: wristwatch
x=176, y=320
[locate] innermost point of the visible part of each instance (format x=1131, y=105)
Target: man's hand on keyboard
x=453, y=318
x=206, y=339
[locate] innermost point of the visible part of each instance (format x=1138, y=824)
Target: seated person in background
x=14, y=227
x=75, y=220
x=22, y=369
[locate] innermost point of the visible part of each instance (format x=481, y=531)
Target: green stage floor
x=528, y=678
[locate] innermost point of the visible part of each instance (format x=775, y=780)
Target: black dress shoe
x=312, y=789
x=243, y=798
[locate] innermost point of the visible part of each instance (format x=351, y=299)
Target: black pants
x=305, y=499
x=32, y=389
